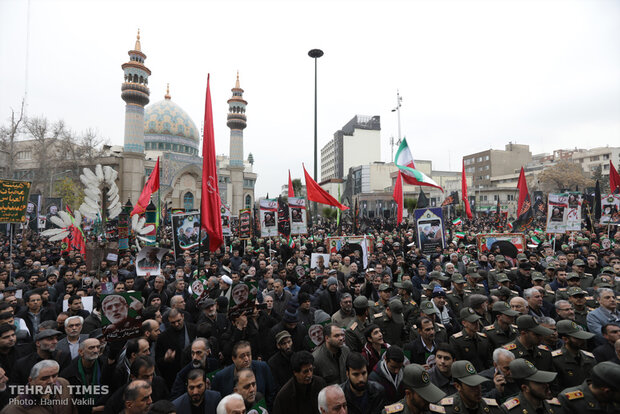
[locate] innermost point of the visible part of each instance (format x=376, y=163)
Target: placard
x=14, y=201
x=509, y=244
x=430, y=226
x=121, y=315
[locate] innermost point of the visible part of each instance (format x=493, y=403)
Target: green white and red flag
x=411, y=175
x=457, y=221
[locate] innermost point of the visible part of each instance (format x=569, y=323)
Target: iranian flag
x=459, y=235
x=457, y=222
x=411, y=176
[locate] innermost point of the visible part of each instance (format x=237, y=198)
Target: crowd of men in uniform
x=394, y=331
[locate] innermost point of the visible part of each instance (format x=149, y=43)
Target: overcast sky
x=473, y=74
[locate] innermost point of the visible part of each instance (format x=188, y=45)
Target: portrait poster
x=510, y=244
x=121, y=315
x=13, y=201
x=199, y=289
x=540, y=207
x=268, y=217
x=297, y=213
x=346, y=245
x=185, y=229
x=243, y=292
x=245, y=224
x=87, y=304
x=564, y=212
x=430, y=227
x=319, y=259
x=148, y=261
x=610, y=209
x=33, y=210
x=315, y=334
x=225, y=214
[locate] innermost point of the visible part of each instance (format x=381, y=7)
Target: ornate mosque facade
x=163, y=129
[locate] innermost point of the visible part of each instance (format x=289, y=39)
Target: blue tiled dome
x=165, y=121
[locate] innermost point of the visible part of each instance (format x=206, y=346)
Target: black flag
x=597, y=201
x=422, y=200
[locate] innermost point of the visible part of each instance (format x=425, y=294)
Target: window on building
x=487, y=177
x=479, y=159
x=24, y=155
x=188, y=201
x=486, y=167
x=595, y=158
x=248, y=201
x=486, y=157
x=605, y=156
x=510, y=197
x=495, y=197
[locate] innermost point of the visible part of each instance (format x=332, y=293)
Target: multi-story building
x=357, y=143
x=592, y=159
x=481, y=166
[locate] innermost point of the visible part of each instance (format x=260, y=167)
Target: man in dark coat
x=280, y=363
x=299, y=394
x=197, y=398
x=171, y=343
x=35, y=313
x=45, y=343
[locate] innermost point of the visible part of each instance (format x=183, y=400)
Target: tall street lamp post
x=315, y=54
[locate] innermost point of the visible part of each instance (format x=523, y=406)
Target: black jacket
x=168, y=340
x=417, y=350
x=280, y=368
x=374, y=404
x=46, y=315
x=299, y=399
x=22, y=367
x=116, y=404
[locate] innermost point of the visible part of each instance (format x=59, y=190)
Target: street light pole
x=56, y=175
x=315, y=54
x=399, y=99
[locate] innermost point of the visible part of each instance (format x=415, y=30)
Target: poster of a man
x=557, y=214
x=122, y=315
x=315, y=333
x=240, y=293
x=270, y=219
x=149, y=261
x=296, y=215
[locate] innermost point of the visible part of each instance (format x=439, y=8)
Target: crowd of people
x=397, y=331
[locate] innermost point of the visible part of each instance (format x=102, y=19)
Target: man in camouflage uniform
x=502, y=331
x=600, y=395
x=456, y=296
x=571, y=361
x=468, y=399
x=535, y=395
x=470, y=344
x=528, y=344
x=421, y=395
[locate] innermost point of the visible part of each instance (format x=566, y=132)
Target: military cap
x=528, y=323
x=570, y=328
x=523, y=369
x=550, y=266
x=501, y=278
x=396, y=309
x=415, y=377
x=383, y=287
x=458, y=278
x=600, y=282
x=572, y=275
x=575, y=290
x=608, y=270
x=427, y=307
x=608, y=373
x=360, y=302
x=405, y=284
x=469, y=315
x=437, y=275
x=430, y=286
x=465, y=372
x=578, y=262
x=521, y=256
x=538, y=276
x=503, y=307
x=499, y=258
x=501, y=291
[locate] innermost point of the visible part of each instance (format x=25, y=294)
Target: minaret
x=236, y=123
x=135, y=92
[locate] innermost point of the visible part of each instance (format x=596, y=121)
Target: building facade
x=481, y=166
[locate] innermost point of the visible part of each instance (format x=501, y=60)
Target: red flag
x=398, y=197
x=464, y=191
x=210, y=219
x=74, y=241
x=316, y=193
x=523, y=191
x=291, y=190
x=614, y=178
x=152, y=185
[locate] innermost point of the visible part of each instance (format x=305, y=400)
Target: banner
x=431, y=234
x=185, y=230
x=610, y=209
x=121, y=315
x=13, y=200
x=268, y=217
x=564, y=212
x=149, y=261
x=540, y=207
x=284, y=221
x=509, y=244
x=225, y=213
x=346, y=245
x=52, y=206
x=297, y=213
x=245, y=224
x=243, y=293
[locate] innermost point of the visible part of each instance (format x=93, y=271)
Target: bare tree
x=564, y=176
x=45, y=147
x=8, y=135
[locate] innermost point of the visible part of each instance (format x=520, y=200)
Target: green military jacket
x=498, y=337
x=580, y=400
x=354, y=335
x=572, y=370
x=520, y=405
x=539, y=356
x=454, y=405
x=456, y=301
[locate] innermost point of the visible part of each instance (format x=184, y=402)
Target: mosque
x=163, y=129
